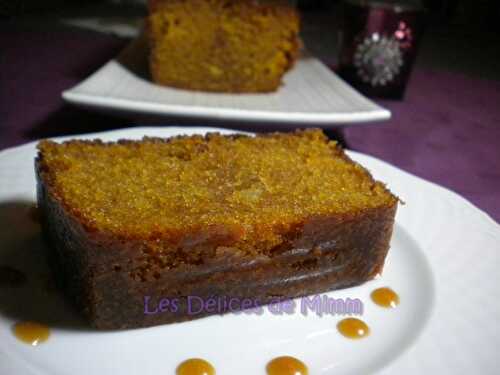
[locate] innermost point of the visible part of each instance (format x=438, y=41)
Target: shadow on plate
x=134, y=57
x=32, y=295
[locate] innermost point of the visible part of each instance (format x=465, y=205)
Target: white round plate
x=444, y=263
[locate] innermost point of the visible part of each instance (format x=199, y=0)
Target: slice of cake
x=222, y=45
x=140, y=230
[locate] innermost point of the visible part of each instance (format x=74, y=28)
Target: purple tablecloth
x=447, y=130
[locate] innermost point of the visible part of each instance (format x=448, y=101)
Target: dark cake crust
x=96, y=269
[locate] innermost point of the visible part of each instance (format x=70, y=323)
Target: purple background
x=447, y=130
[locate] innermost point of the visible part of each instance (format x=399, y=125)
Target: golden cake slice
x=222, y=45
x=133, y=223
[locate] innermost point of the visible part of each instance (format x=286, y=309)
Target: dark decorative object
x=379, y=45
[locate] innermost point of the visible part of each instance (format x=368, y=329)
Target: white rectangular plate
x=310, y=95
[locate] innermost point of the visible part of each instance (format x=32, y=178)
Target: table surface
x=447, y=130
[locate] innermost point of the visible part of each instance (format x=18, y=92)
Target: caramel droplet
x=353, y=328
x=385, y=297
x=286, y=366
x=195, y=366
x=31, y=332
x=11, y=277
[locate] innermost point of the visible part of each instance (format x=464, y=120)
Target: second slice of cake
x=133, y=223
x=232, y=46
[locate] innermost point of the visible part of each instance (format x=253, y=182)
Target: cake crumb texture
x=255, y=188
x=222, y=45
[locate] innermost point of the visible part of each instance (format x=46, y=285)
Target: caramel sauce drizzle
x=195, y=366
x=353, y=328
x=286, y=365
x=385, y=297
x=31, y=333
